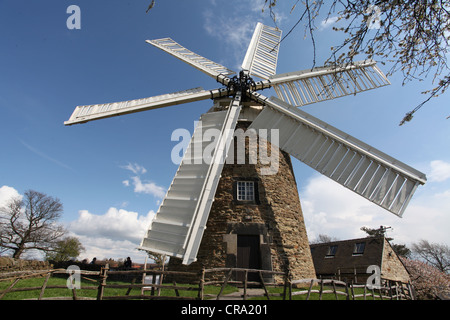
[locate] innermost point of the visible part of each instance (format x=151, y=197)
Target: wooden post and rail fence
x=290, y=288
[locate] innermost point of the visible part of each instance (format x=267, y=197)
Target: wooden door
x=248, y=256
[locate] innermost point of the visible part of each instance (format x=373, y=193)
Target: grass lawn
x=92, y=293
x=63, y=291
x=278, y=291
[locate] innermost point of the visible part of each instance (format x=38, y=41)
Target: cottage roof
x=347, y=255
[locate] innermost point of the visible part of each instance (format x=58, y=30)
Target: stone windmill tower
x=233, y=201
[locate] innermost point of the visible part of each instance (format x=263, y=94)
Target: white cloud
x=331, y=209
x=115, y=234
x=235, y=32
x=324, y=24
x=114, y=224
x=440, y=171
x=118, y=232
x=148, y=187
x=105, y=248
x=140, y=186
x=8, y=193
x=135, y=168
x=235, y=26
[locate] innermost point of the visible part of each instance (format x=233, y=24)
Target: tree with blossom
x=429, y=283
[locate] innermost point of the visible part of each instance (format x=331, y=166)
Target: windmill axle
x=242, y=83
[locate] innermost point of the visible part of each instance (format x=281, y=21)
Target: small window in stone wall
x=245, y=191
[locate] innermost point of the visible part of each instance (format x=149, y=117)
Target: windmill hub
x=242, y=83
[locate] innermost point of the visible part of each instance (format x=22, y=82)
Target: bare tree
x=437, y=255
x=323, y=238
x=30, y=223
x=413, y=35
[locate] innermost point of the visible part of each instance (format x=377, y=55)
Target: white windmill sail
x=325, y=83
x=178, y=226
x=87, y=113
x=262, y=53
x=207, y=66
x=352, y=163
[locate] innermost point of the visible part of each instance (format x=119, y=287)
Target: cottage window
x=359, y=248
x=331, y=252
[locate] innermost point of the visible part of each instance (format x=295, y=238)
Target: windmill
x=179, y=224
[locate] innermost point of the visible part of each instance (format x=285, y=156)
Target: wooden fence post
x=201, y=283
x=245, y=284
x=334, y=289
x=287, y=285
x=346, y=291
x=41, y=294
x=103, y=276
x=264, y=285
x=74, y=290
x=310, y=288
x=133, y=281
x=321, y=289
x=9, y=288
x=225, y=282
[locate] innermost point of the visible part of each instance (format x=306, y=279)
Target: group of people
x=127, y=264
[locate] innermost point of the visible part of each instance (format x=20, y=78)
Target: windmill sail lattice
x=326, y=83
x=262, y=54
x=357, y=166
x=178, y=226
x=207, y=66
x=87, y=113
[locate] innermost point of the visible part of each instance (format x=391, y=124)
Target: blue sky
x=111, y=174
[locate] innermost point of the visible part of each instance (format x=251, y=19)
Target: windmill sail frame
x=203, y=64
x=262, y=54
x=177, y=230
x=352, y=163
x=326, y=83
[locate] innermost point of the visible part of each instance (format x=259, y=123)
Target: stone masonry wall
x=391, y=267
x=10, y=264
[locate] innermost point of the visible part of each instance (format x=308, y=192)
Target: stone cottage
x=349, y=260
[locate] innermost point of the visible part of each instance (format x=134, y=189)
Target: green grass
x=92, y=293
x=49, y=292
x=278, y=291
x=115, y=292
